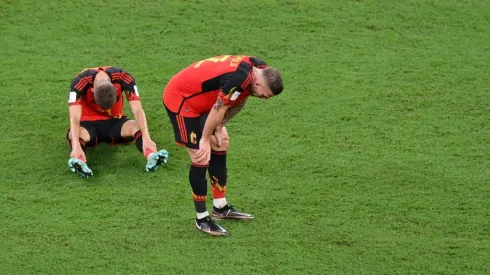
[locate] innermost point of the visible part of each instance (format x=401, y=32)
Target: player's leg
x=87, y=138
x=187, y=133
x=218, y=175
x=218, y=170
x=125, y=130
x=84, y=137
x=198, y=182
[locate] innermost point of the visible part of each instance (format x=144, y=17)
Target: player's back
x=199, y=83
x=193, y=79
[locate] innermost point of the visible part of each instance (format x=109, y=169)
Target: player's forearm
x=229, y=115
x=213, y=121
x=140, y=118
x=225, y=120
x=75, y=116
x=231, y=112
x=75, y=132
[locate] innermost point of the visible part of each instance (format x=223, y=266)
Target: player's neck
x=100, y=77
x=255, y=73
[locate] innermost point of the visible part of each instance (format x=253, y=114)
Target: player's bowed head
x=104, y=94
x=267, y=83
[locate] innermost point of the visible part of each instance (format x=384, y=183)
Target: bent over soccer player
x=96, y=115
x=200, y=100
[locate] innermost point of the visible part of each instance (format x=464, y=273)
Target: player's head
x=105, y=94
x=266, y=83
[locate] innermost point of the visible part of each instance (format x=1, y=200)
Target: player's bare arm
x=75, y=115
x=140, y=117
x=214, y=119
x=218, y=104
x=231, y=112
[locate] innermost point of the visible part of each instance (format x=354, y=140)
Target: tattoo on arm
x=218, y=104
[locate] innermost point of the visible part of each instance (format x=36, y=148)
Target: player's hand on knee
x=225, y=144
x=204, y=153
x=221, y=137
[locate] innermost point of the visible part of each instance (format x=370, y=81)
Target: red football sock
x=148, y=152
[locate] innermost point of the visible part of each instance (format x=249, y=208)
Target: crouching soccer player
x=200, y=100
x=96, y=115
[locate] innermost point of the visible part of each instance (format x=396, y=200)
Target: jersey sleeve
x=79, y=86
x=126, y=81
x=234, y=83
x=257, y=62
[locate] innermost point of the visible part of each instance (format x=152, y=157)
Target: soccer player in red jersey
x=96, y=115
x=200, y=100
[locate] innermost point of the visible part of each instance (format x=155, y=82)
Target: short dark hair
x=274, y=80
x=105, y=95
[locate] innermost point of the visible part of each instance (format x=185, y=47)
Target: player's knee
x=129, y=128
x=132, y=125
x=225, y=131
x=225, y=144
x=194, y=159
x=82, y=132
x=198, y=162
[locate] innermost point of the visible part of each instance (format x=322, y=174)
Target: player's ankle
x=148, y=153
x=219, y=203
x=202, y=215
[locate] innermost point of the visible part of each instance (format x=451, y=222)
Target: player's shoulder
x=83, y=80
x=118, y=74
x=256, y=62
x=86, y=72
x=111, y=69
x=115, y=70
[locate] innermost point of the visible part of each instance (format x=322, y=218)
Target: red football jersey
x=194, y=90
x=82, y=93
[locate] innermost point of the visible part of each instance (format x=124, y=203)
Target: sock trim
x=137, y=135
x=199, y=198
x=219, y=203
x=219, y=153
x=199, y=165
x=148, y=153
x=202, y=215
